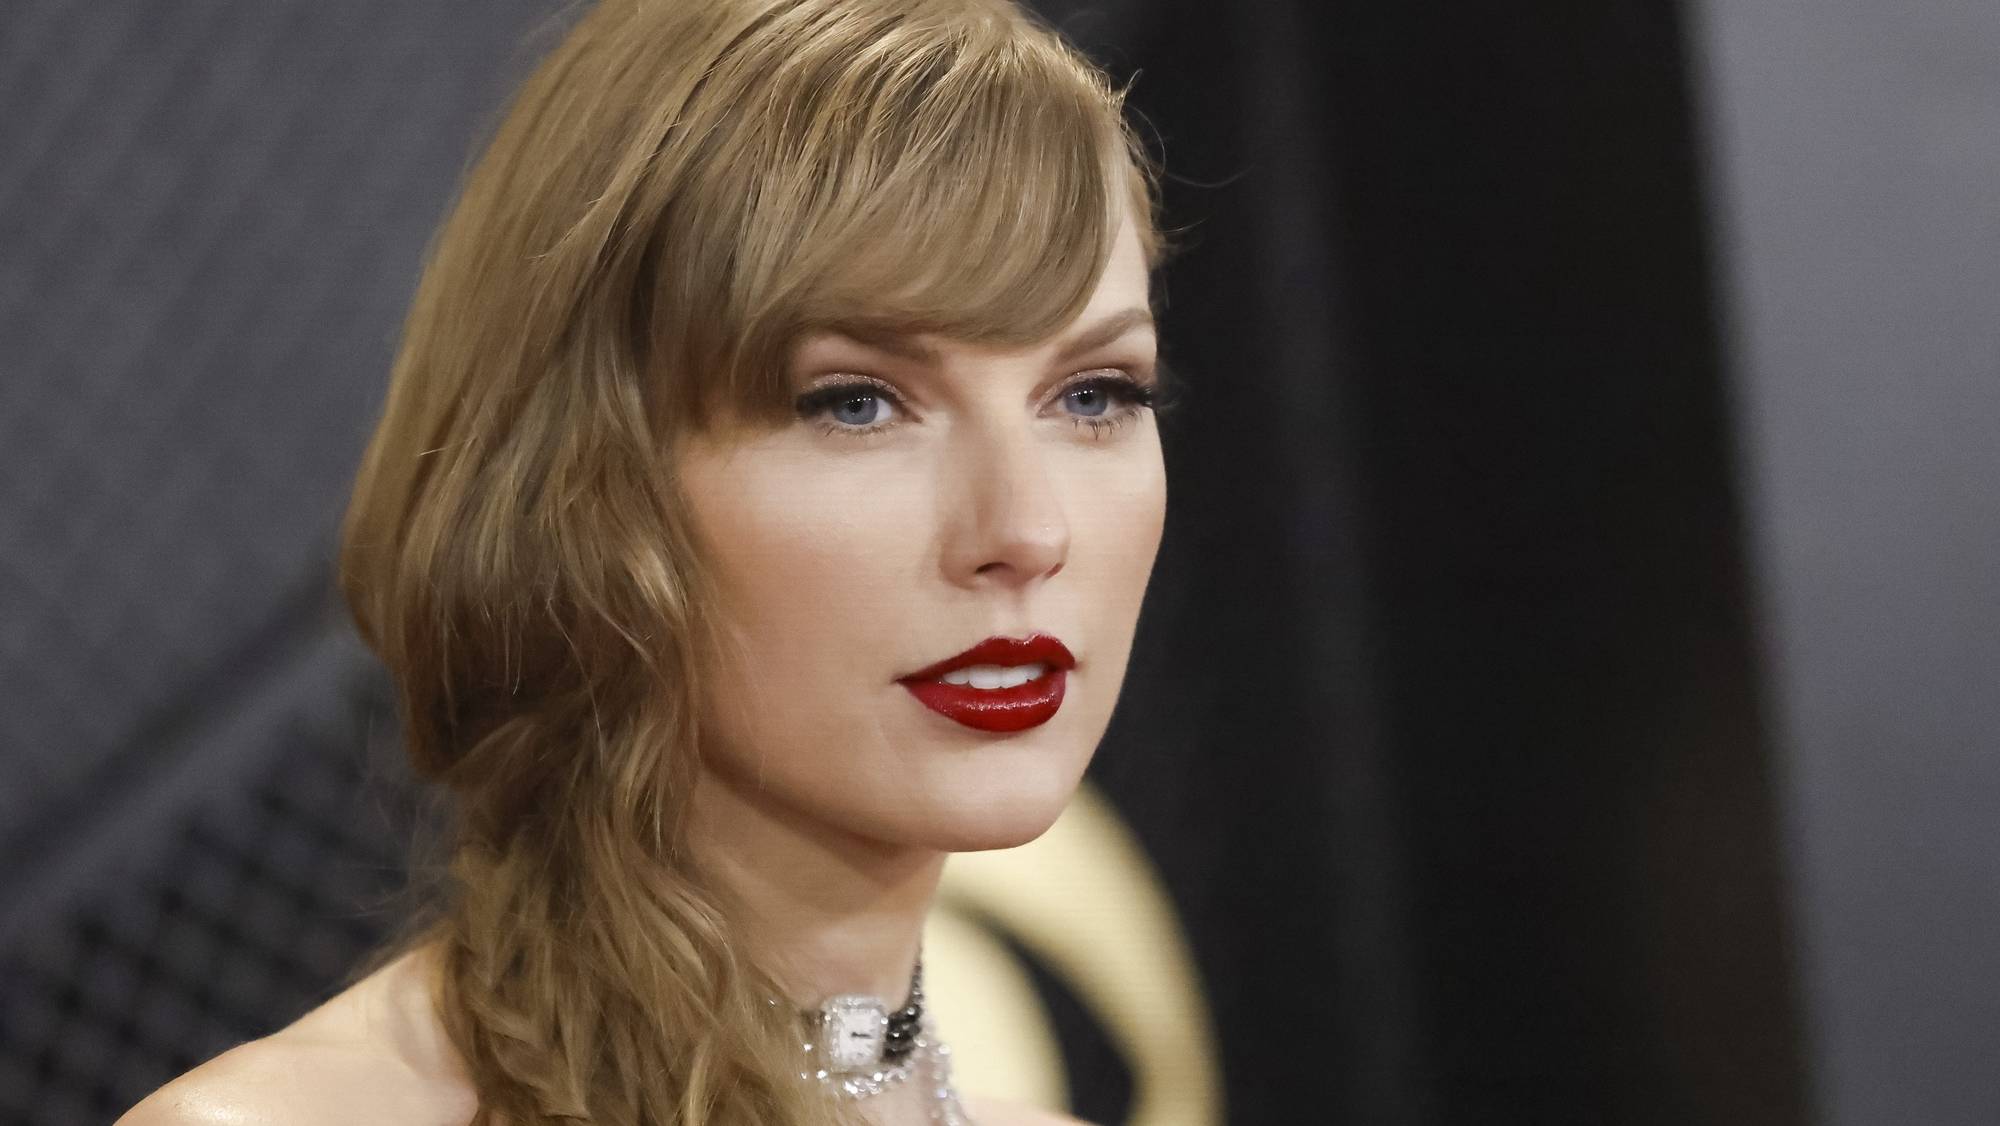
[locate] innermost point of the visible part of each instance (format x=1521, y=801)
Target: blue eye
x=1096, y=398
x=851, y=405
x=857, y=408
x=1117, y=397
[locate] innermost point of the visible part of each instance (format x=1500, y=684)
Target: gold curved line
x=1084, y=898
x=1002, y=1041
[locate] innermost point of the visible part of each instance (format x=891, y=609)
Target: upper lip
x=1006, y=651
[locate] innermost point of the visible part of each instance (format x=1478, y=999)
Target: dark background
x=1567, y=690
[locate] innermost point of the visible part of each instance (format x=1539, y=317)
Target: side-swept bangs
x=889, y=169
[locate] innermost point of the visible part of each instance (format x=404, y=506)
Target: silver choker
x=858, y=1049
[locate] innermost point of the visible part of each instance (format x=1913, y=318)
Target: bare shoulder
x=351, y=1060
x=1006, y=1112
x=272, y=1081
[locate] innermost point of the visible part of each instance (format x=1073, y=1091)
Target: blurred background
x=1568, y=690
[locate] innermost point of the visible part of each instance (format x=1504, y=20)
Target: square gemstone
x=852, y=1031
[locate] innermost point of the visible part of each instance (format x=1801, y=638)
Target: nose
x=1011, y=526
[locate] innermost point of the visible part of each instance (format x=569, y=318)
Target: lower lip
x=993, y=709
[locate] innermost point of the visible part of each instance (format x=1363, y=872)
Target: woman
x=767, y=489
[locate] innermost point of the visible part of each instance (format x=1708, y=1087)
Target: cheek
x=1128, y=511
x=1150, y=506
x=815, y=577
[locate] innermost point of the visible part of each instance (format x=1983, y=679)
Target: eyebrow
x=902, y=344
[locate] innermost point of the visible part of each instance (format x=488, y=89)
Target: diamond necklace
x=936, y=1057
x=858, y=1049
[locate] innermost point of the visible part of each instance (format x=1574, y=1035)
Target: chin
x=986, y=837
x=998, y=816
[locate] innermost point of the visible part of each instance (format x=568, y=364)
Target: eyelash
x=1132, y=397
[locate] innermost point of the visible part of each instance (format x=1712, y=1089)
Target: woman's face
x=994, y=493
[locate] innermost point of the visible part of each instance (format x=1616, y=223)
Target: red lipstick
x=998, y=709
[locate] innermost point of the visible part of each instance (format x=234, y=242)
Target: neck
x=824, y=911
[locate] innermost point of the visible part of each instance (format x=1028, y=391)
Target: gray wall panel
x=1857, y=168
x=213, y=214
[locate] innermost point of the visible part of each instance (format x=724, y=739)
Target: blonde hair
x=677, y=192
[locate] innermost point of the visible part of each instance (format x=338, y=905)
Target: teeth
x=994, y=676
